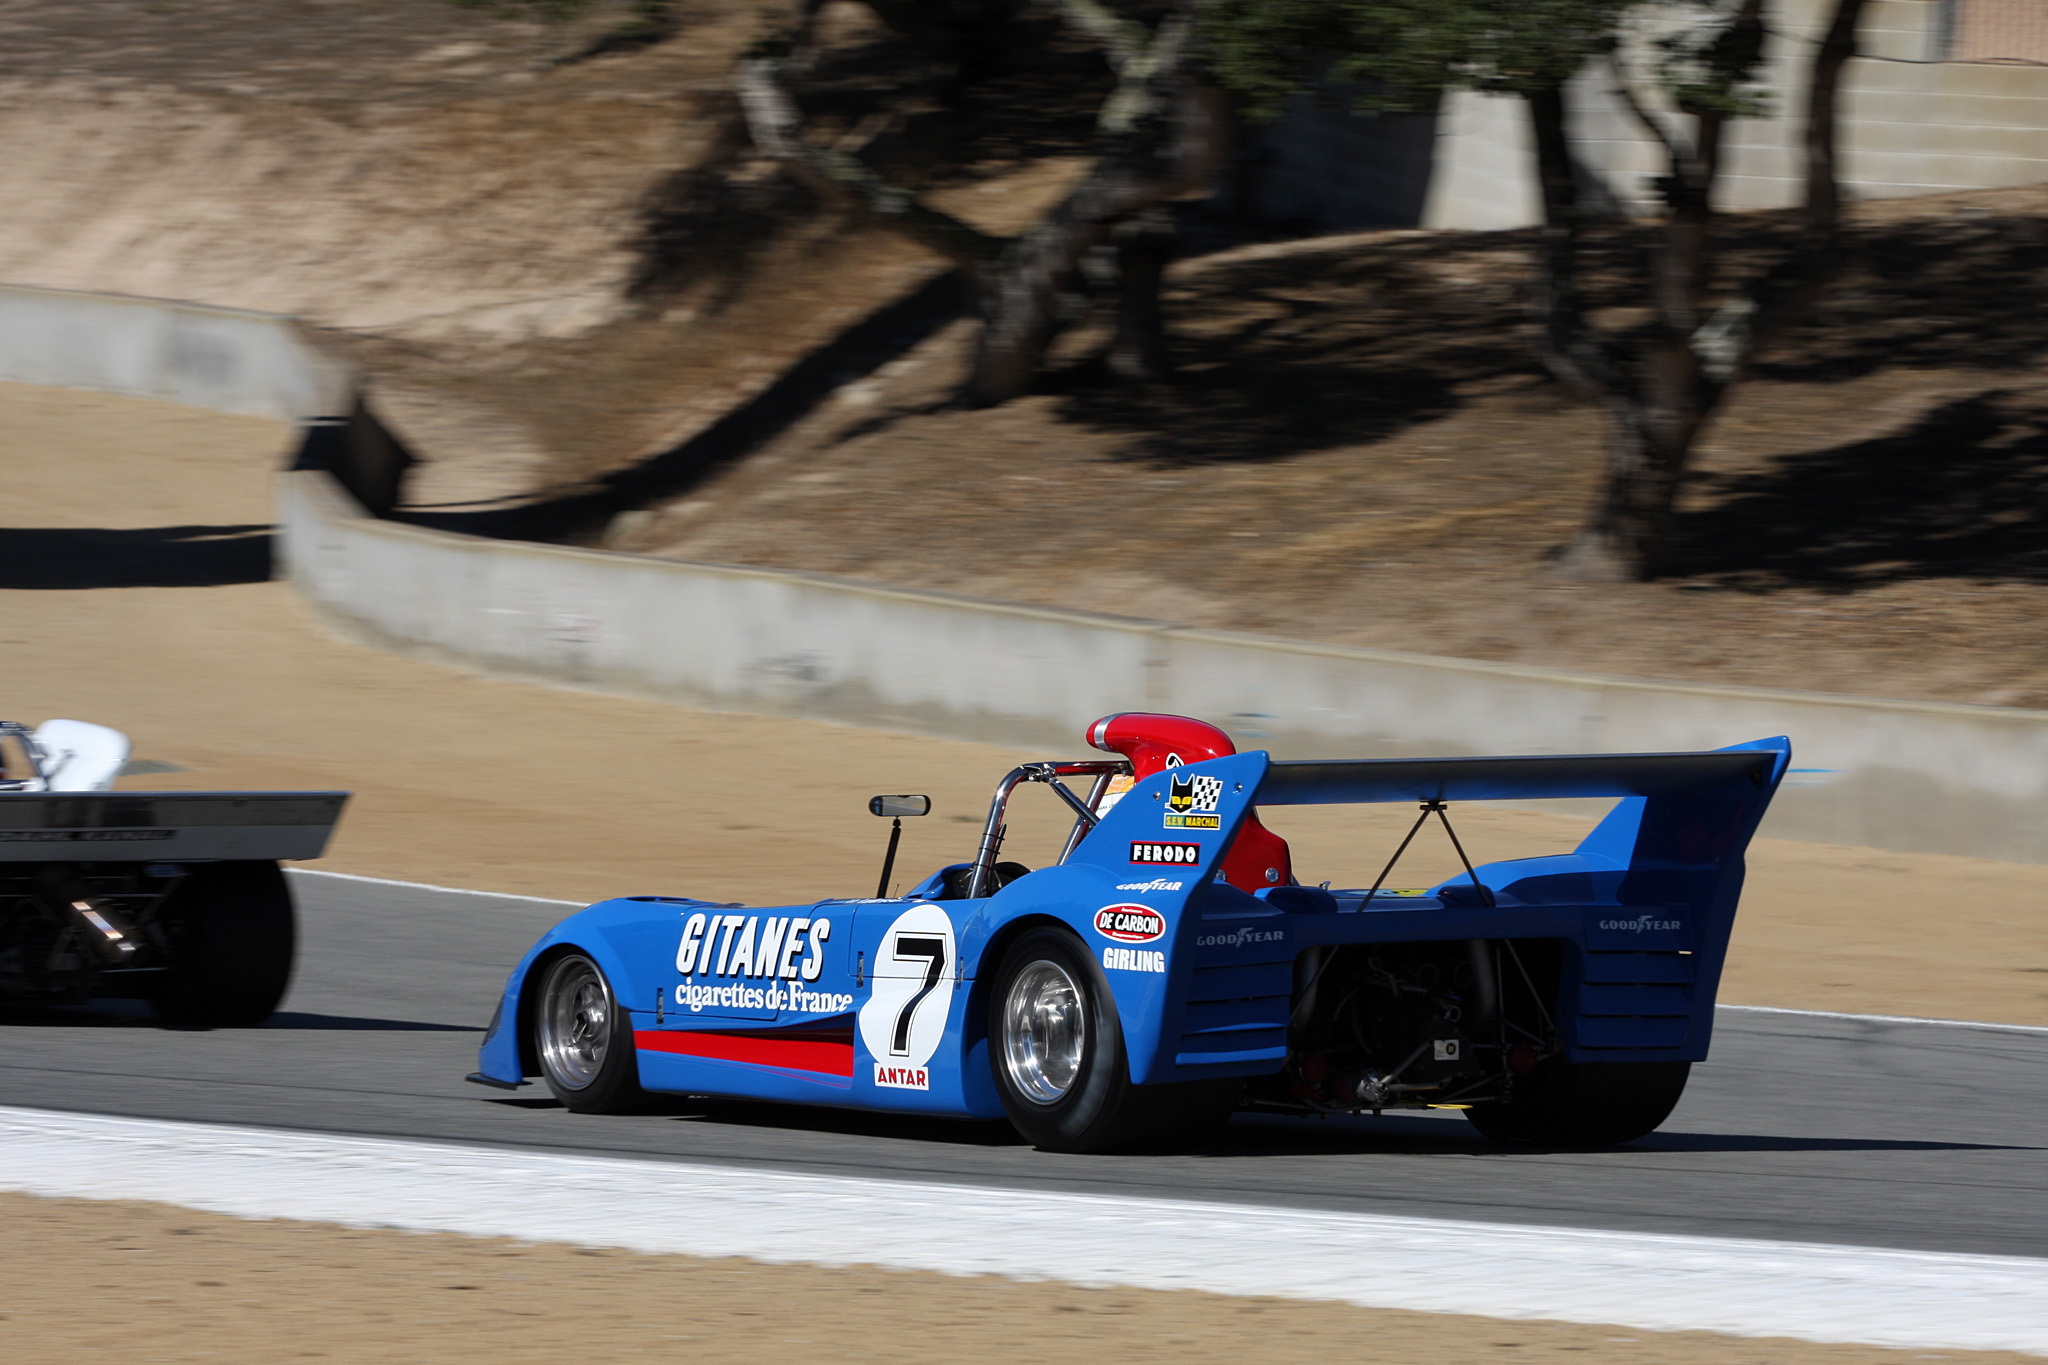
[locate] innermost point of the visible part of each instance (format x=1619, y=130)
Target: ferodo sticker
x=1130, y=923
x=1174, y=855
x=905, y=1015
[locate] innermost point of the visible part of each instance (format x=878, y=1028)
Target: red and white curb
x=1654, y=1282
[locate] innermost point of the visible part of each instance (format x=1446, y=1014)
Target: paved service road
x=1800, y=1128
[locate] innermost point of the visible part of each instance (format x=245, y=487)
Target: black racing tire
x=231, y=935
x=1585, y=1104
x=1060, y=1068
x=583, y=1038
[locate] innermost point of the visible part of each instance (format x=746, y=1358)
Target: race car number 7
x=903, y=1019
x=933, y=951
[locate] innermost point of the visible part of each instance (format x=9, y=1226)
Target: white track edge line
x=429, y=886
x=1748, y=1009
x=1652, y=1281
x=1888, y=1018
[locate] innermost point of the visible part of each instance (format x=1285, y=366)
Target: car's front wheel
x=1057, y=1049
x=584, y=1040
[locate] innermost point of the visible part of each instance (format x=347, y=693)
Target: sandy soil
x=148, y=609
x=170, y=1284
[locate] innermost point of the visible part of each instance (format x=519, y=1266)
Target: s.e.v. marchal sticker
x=1191, y=802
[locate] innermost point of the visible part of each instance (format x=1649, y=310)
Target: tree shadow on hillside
x=1963, y=493
x=1937, y=293
x=69, y=558
x=1327, y=350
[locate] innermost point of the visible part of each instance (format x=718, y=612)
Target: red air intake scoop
x=1153, y=742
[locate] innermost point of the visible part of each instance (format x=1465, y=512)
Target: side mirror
x=894, y=808
x=899, y=806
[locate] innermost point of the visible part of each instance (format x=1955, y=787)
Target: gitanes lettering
x=776, y=946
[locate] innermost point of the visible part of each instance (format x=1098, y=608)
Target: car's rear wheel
x=1585, y=1104
x=583, y=1039
x=1058, y=1053
x=231, y=937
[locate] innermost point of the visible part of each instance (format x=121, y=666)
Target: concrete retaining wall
x=1908, y=776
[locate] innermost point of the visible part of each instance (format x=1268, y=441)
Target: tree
x=1660, y=387
x=1160, y=137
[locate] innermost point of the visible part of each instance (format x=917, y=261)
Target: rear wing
x=127, y=827
x=1541, y=777
x=1683, y=820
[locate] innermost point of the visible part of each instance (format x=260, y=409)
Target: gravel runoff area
x=151, y=610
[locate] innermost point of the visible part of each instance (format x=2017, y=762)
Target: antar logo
x=1180, y=855
x=902, y=1077
x=1129, y=923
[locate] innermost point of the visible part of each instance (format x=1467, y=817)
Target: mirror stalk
x=889, y=858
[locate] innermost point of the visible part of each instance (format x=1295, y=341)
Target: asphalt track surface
x=1800, y=1128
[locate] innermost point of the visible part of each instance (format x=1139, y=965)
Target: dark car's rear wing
x=126, y=827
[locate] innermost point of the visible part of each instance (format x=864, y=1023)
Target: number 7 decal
x=903, y=1020
x=933, y=950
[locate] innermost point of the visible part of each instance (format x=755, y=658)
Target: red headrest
x=1156, y=742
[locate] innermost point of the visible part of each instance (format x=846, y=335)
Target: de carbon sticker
x=1130, y=923
x=905, y=1015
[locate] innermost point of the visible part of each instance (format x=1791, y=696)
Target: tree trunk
x=1161, y=134
x=1687, y=365
x=1143, y=247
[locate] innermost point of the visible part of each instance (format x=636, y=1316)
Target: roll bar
x=1050, y=773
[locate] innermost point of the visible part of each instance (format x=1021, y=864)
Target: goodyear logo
x=1642, y=924
x=1237, y=938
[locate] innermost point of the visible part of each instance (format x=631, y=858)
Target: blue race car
x=1170, y=968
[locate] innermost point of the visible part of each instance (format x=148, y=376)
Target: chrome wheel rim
x=1045, y=1032
x=575, y=1023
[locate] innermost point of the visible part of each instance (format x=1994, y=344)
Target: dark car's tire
x=1587, y=1104
x=583, y=1039
x=1057, y=1050
x=231, y=936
